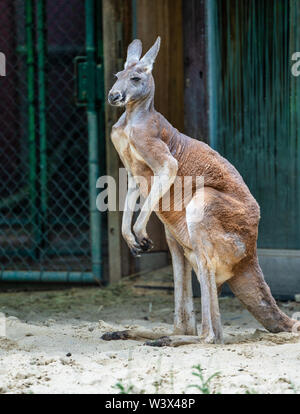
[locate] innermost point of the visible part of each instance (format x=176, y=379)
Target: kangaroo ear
x=134, y=53
x=149, y=58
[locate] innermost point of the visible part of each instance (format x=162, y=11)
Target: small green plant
x=294, y=388
x=172, y=379
x=124, y=389
x=157, y=385
x=204, y=386
x=251, y=391
x=158, y=382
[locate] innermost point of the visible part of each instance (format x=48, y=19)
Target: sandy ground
x=53, y=345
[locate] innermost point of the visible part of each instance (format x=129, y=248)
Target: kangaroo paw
x=136, y=250
x=146, y=244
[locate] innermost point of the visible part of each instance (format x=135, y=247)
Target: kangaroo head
x=135, y=82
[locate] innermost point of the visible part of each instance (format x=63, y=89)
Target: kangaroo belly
x=227, y=250
x=219, y=247
x=177, y=225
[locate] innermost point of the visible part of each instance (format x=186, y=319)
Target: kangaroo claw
x=136, y=250
x=146, y=244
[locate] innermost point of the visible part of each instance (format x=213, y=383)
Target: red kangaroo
x=215, y=233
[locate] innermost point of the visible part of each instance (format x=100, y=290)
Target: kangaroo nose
x=114, y=97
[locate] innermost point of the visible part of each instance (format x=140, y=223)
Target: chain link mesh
x=58, y=238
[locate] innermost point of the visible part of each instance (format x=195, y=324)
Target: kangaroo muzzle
x=116, y=98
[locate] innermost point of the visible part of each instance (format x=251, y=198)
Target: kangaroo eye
x=135, y=79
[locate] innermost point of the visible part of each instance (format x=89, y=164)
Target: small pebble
x=68, y=354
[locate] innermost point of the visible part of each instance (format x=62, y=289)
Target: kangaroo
x=221, y=246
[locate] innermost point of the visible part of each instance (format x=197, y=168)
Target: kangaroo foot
x=114, y=336
x=164, y=341
x=209, y=336
x=137, y=334
x=212, y=339
x=174, y=341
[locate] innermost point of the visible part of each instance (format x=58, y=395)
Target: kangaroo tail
x=250, y=287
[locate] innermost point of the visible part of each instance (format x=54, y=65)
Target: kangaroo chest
x=132, y=160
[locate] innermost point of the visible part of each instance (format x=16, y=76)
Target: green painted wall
x=256, y=107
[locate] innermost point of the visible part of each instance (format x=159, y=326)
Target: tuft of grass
x=251, y=391
x=158, y=382
x=172, y=379
x=129, y=389
x=204, y=386
x=294, y=388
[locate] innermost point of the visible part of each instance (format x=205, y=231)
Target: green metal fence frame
x=93, y=21
x=93, y=132
x=212, y=75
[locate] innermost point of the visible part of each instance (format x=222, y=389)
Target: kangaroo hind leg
x=185, y=328
x=201, y=240
x=184, y=316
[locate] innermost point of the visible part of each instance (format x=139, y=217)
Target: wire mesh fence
x=44, y=177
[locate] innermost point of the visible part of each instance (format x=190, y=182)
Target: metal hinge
x=82, y=81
